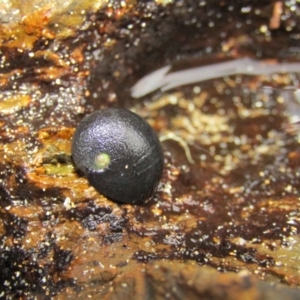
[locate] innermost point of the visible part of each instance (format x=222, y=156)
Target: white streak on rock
x=161, y=79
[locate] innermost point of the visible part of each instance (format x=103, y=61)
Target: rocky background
x=224, y=221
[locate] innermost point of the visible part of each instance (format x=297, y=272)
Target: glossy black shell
x=120, y=154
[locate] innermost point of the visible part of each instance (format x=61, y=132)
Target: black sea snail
x=120, y=154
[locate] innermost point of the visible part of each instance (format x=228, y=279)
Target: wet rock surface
x=176, y=281
x=229, y=196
